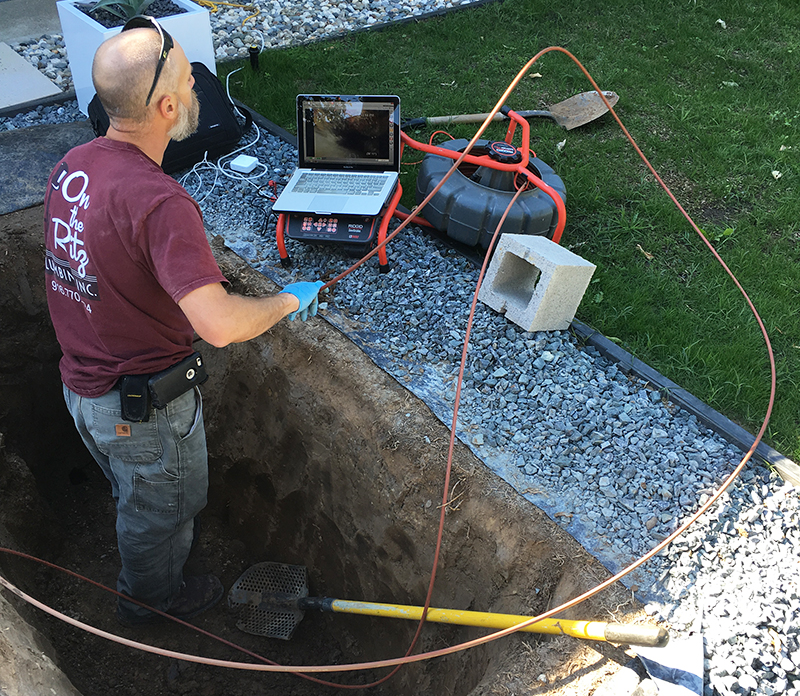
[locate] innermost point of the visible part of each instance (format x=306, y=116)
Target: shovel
x=570, y=113
x=271, y=599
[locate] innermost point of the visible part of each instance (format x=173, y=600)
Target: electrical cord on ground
x=218, y=167
x=213, y=6
x=305, y=670
x=263, y=42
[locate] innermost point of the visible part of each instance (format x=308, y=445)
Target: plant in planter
x=187, y=22
x=113, y=13
x=121, y=9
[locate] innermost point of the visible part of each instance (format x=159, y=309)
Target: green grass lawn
x=715, y=105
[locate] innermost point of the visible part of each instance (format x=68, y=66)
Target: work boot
x=197, y=593
x=195, y=533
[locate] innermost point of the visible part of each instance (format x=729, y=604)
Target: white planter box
x=83, y=36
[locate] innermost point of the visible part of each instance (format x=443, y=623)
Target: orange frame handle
x=279, y=238
x=387, y=216
x=520, y=167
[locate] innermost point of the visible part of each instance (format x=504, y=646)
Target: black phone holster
x=134, y=398
x=139, y=392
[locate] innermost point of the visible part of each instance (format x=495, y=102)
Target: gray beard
x=188, y=120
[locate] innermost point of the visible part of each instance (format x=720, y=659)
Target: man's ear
x=168, y=107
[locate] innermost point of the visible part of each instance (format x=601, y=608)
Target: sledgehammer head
x=648, y=636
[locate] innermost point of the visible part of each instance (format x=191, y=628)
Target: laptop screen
x=349, y=132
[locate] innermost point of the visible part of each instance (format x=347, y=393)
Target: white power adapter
x=244, y=164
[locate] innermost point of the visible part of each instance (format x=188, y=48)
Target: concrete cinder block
x=535, y=282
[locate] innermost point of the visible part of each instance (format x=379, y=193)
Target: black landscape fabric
x=28, y=155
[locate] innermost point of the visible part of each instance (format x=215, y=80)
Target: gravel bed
x=604, y=454
x=44, y=115
x=49, y=55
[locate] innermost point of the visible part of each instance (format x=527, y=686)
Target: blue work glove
x=307, y=294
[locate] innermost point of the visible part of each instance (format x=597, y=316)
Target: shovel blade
x=581, y=109
x=265, y=598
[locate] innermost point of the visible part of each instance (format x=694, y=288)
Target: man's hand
x=306, y=293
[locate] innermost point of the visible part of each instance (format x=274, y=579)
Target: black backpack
x=218, y=133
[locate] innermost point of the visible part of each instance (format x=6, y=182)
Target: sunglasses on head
x=145, y=22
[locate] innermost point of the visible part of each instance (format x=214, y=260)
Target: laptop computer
x=348, y=155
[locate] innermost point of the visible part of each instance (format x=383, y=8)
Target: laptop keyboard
x=341, y=184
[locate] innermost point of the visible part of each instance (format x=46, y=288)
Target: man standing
x=130, y=279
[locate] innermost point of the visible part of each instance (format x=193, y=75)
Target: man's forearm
x=251, y=316
x=221, y=318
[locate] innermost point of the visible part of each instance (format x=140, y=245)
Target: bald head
x=123, y=71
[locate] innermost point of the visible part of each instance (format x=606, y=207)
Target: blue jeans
x=159, y=479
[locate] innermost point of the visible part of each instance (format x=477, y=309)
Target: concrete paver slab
x=20, y=81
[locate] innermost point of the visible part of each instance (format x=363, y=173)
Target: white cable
x=219, y=166
x=228, y=173
x=249, y=178
x=196, y=171
x=213, y=185
x=220, y=170
x=228, y=89
x=257, y=31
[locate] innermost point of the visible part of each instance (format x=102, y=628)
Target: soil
x=317, y=458
x=158, y=9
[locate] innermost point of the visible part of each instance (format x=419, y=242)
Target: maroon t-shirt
x=124, y=243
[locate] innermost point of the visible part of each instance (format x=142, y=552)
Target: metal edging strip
x=720, y=424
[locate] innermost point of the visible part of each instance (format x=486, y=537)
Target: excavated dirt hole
x=316, y=458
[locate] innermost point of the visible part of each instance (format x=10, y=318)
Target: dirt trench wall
x=28, y=662
x=318, y=458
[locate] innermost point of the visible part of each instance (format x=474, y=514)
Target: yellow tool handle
x=650, y=636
